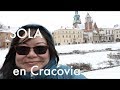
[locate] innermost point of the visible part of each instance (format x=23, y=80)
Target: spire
x=96, y=27
x=76, y=12
x=76, y=20
x=88, y=18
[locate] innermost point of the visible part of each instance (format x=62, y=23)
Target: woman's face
x=32, y=59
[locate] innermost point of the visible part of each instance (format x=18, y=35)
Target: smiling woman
x=25, y=53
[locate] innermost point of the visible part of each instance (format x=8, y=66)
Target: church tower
x=88, y=23
x=76, y=20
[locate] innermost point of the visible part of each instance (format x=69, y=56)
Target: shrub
x=81, y=66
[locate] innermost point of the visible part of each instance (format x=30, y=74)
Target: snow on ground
x=94, y=58
x=109, y=73
x=86, y=47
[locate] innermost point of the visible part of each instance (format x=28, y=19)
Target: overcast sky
x=53, y=20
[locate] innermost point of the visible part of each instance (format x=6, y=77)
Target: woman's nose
x=32, y=53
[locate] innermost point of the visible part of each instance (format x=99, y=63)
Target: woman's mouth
x=32, y=62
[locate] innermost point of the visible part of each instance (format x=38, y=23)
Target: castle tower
x=88, y=23
x=76, y=20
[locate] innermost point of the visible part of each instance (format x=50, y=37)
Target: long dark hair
x=9, y=63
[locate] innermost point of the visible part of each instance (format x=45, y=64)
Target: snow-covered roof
x=4, y=30
x=12, y=29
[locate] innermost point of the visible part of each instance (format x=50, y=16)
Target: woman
x=32, y=55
